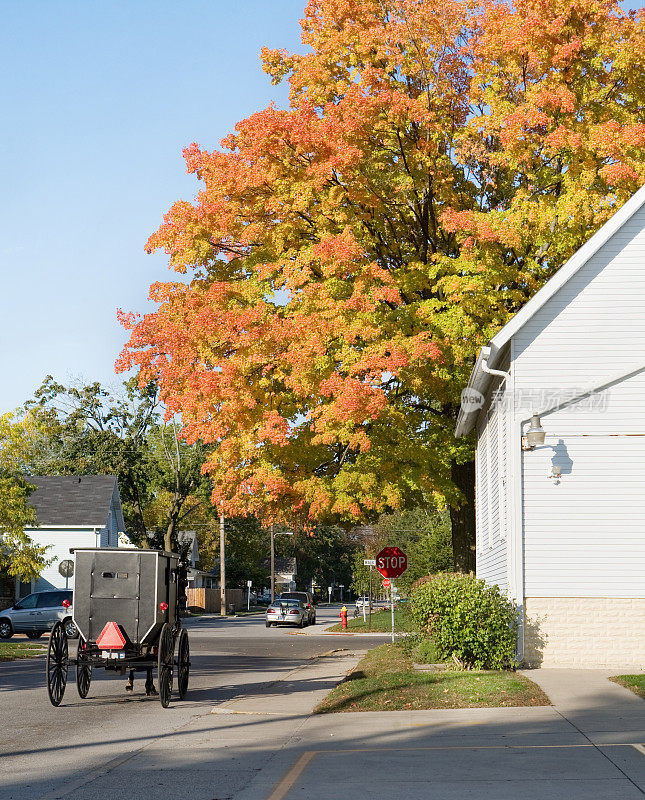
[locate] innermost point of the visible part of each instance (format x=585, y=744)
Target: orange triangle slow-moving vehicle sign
x=111, y=637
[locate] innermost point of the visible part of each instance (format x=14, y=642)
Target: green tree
x=19, y=556
x=247, y=548
x=323, y=553
x=424, y=535
x=91, y=430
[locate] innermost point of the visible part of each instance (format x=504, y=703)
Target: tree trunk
x=173, y=517
x=462, y=518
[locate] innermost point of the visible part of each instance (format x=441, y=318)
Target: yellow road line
x=292, y=776
x=285, y=785
x=481, y=747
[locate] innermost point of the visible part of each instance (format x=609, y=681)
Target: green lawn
x=381, y=622
x=254, y=610
x=11, y=650
x=385, y=680
x=634, y=682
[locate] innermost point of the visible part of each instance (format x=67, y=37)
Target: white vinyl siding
x=584, y=536
x=503, y=479
x=59, y=541
x=482, y=499
x=595, y=324
x=491, y=464
x=493, y=478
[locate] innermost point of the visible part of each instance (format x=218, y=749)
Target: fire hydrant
x=343, y=617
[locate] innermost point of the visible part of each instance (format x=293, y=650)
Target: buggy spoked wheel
x=183, y=664
x=83, y=670
x=165, y=664
x=57, y=664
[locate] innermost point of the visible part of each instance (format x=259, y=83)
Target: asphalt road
x=246, y=732
x=44, y=749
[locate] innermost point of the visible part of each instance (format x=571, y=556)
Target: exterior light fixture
x=535, y=435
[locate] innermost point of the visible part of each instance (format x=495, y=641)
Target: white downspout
x=497, y=372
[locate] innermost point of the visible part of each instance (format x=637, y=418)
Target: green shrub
x=470, y=622
x=420, y=648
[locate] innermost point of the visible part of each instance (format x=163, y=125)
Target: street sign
x=391, y=562
x=385, y=582
x=249, y=584
x=369, y=562
x=66, y=568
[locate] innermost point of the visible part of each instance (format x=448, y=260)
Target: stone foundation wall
x=585, y=632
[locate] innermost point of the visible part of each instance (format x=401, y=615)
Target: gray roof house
x=72, y=511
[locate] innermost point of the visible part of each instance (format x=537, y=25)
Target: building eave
x=479, y=381
x=566, y=272
x=467, y=420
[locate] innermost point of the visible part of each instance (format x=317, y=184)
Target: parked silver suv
x=36, y=614
x=307, y=601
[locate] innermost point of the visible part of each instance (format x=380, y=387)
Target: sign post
x=391, y=562
x=371, y=563
x=329, y=595
x=248, y=595
x=66, y=569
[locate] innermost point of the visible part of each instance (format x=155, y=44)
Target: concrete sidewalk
x=298, y=692
x=590, y=745
x=265, y=744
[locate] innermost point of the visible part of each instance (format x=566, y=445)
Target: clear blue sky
x=98, y=99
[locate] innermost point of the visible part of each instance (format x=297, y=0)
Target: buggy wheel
x=183, y=664
x=165, y=663
x=83, y=670
x=57, y=664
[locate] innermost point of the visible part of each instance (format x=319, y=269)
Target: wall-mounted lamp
x=535, y=435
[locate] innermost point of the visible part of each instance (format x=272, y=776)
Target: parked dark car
x=36, y=614
x=307, y=601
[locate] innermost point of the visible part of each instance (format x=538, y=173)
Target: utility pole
x=273, y=535
x=222, y=565
x=272, y=564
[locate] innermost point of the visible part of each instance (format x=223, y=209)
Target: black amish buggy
x=126, y=612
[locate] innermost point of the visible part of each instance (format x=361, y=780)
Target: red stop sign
x=391, y=562
x=385, y=582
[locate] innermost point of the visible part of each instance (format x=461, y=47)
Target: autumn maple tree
x=348, y=255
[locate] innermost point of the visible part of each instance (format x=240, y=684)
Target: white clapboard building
x=561, y=524
x=72, y=511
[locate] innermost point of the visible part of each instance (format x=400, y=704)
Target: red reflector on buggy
x=111, y=638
